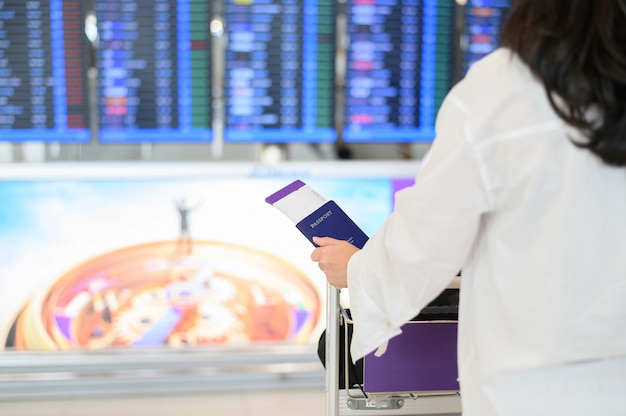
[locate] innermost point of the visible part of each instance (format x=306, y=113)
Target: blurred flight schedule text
x=399, y=68
x=43, y=93
x=483, y=20
x=154, y=66
x=280, y=70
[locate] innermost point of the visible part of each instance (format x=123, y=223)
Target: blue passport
x=314, y=215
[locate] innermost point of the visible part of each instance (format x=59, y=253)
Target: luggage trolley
x=417, y=375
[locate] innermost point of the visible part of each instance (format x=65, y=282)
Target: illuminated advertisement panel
x=96, y=257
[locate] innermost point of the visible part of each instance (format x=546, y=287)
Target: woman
x=524, y=189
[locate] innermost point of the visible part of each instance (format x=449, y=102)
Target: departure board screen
x=483, y=20
x=399, y=68
x=280, y=71
x=43, y=93
x=154, y=67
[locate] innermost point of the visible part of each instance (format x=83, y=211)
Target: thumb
x=324, y=241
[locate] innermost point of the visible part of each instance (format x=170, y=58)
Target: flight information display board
x=280, y=71
x=399, y=68
x=483, y=20
x=154, y=68
x=43, y=93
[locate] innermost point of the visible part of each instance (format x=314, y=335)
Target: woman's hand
x=332, y=257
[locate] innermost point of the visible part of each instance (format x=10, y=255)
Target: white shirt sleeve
x=425, y=241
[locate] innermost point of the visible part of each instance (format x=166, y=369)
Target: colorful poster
x=96, y=257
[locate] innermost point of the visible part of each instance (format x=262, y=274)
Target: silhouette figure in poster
x=185, y=242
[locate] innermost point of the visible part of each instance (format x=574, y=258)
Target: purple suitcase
x=422, y=358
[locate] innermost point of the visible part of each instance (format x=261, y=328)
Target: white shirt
x=538, y=227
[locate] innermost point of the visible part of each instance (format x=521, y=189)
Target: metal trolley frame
x=349, y=401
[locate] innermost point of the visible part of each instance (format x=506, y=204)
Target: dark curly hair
x=577, y=48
